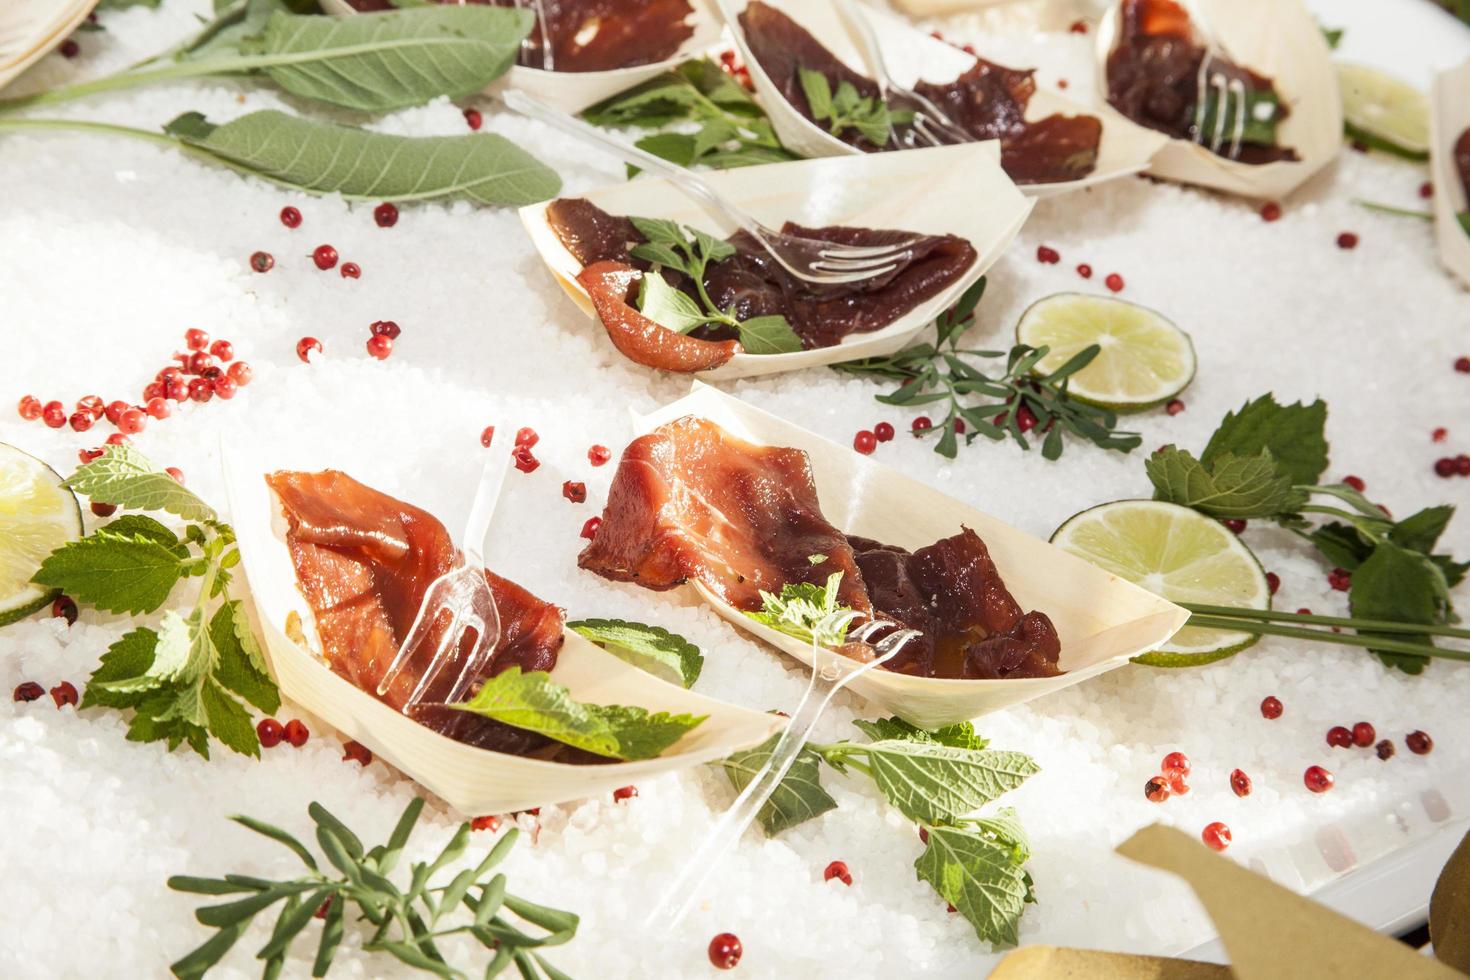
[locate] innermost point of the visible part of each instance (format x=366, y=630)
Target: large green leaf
x=796, y=799
x=980, y=877
x=324, y=158
x=383, y=61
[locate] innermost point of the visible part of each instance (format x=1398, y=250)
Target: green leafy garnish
x=1263, y=113
x=728, y=128
x=939, y=372
x=536, y=703
x=939, y=779
x=651, y=647
x=1292, y=434
x=1332, y=35
x=806, y=611
x=847, y=109
x=690, y=252
x=1234, y=487
x=405, y=921
x=185, y=681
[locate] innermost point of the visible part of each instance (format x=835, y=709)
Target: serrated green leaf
x=143, y=526
x=125, y=477
x=532, y=701
x=130, y=656
x=228, y=721
x=1230, y=487
x=235, y=668
x=1341, y=544
x=326, y=158
x=980, y=878
x=391, y=60
x=653, y=648
x=1419, y=531
x=934, y=783
x=960, y=735
x=114, y=572
x=799, y=796
x=1398, y=585
x=1295, y=436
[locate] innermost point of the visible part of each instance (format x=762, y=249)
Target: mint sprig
x=847, y=109
x=534, y=702
x=690, y=251
x=653, y=648
x=939, y=779
x=811, y=613
x=184, y=681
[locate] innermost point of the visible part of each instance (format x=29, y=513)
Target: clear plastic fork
x=465, y=596
x=548, y=57
x=1232, y=92
x=831, y=671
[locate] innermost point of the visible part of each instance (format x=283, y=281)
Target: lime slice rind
x=1383, y=108
x=1145, y=359
x=1176, y=553
x=38, y=514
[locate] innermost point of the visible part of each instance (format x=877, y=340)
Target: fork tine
x=448, y=644
x=475, y=663
x=839, y=251
x=417, y=634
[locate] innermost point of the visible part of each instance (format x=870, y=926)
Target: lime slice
x=1145, y=359
x=1385, y=109
x=1176, y=553
x=37, y=516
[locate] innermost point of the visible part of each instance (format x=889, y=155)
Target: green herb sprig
x=690, y=251
x=181, y=681
x=846, y=109
x=991, y=406
x=703, y=117
x=1264, y=462
x=652, y=648
x=811, y=613
x=939, y=779
x=406, y=922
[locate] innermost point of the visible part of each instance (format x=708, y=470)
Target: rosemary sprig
x=1011, y=404
x=406, y=923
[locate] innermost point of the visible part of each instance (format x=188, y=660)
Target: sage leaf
x=799, y=796
x=382, y=61
x=325, y=158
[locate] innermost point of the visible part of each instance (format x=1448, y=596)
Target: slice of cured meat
x=612, y=286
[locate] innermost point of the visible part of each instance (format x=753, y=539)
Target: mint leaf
x=818, y=92
x=934, y=783
x=536, y=703
x=1295, y=436
x=1230, y=486
x=653, y=648
x=1399, y=585
x=235, y=668
x=125, y=477
x=799, y=796
x=142, y=526
x=228, y=721
x=805, y=611
x=961, y=735
x=980, y=877
x=114, y=572
x=768, y=335
x=667, y=306
x=1004, y=825
x=1341, y=544
x=1419, y=532
x=129, y=657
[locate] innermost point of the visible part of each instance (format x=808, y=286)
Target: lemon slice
x=1145, y=359
x=37, y=515
x=1176, y=553
x=1384, y=109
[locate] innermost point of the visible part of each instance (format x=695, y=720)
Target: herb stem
x=1388, y=209
x=1324, y=636
x=1369, y=625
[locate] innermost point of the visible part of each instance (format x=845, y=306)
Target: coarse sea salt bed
x=111, y=249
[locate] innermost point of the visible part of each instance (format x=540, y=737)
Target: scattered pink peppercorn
x=290, y=217
x=473, y=118
x=114, y=410
x=624, y=793
x=357, y=752
x=176, y=473
x=325, y=257
x=201, y=390
x=1317, y=779
x=1462, y=365
x=92, y=405
x=30, y=408
x=1356, y=482
x=296, y=733
x=118, y=439
x=1340, y=579
x=959, y=426
x=575, y=492
x=838, y=870
x=1177, y=785
x=1216, y=836
x=158, y=408
x=270, y=732
x=725, y=951
x=1384, y=749
x=262, y=261
x=598, y=455
x=380, y=345
x=307, y=346
x=384, y=328
x=324, y=908
x=1174, y=406
x=883, y=431
x=54, y=414
x=69, y=48
x=1114, y=282
x=225, y=387
x=1234, y=525
x=80, y=421
x=525, y=462
x=1462, y=465
x=351, y=270
x=28, y=691
x=133, y=421
x=1271, y=707
x=490, y=823
x=1048, y=255
x=1347, y=240
x=865, y=442
x=487, y=436
x=1444, y=466
x=921, y=424
x=386, y=215
x=1419, y=742
x=1364, y=734
x=1175, y=763
x=1339, y=736
x=64, y=694
x=1426, y=189
x=102, y=510
x=590, y=527
x=526, y=437
x=87, y=455
x=1273, y=582
x=1156, y=790
x=923, y=835
x=64, y=608
x=1078, y=27
x=241, y=373
x=1084, y=270
x=1240, y=783
x=1270, y=211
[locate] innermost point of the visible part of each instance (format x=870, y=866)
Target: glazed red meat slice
x=596, y=35
x=988, y=101
x=952, y=592
x=752, y=283
x=690, y=501
x=363, y=561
